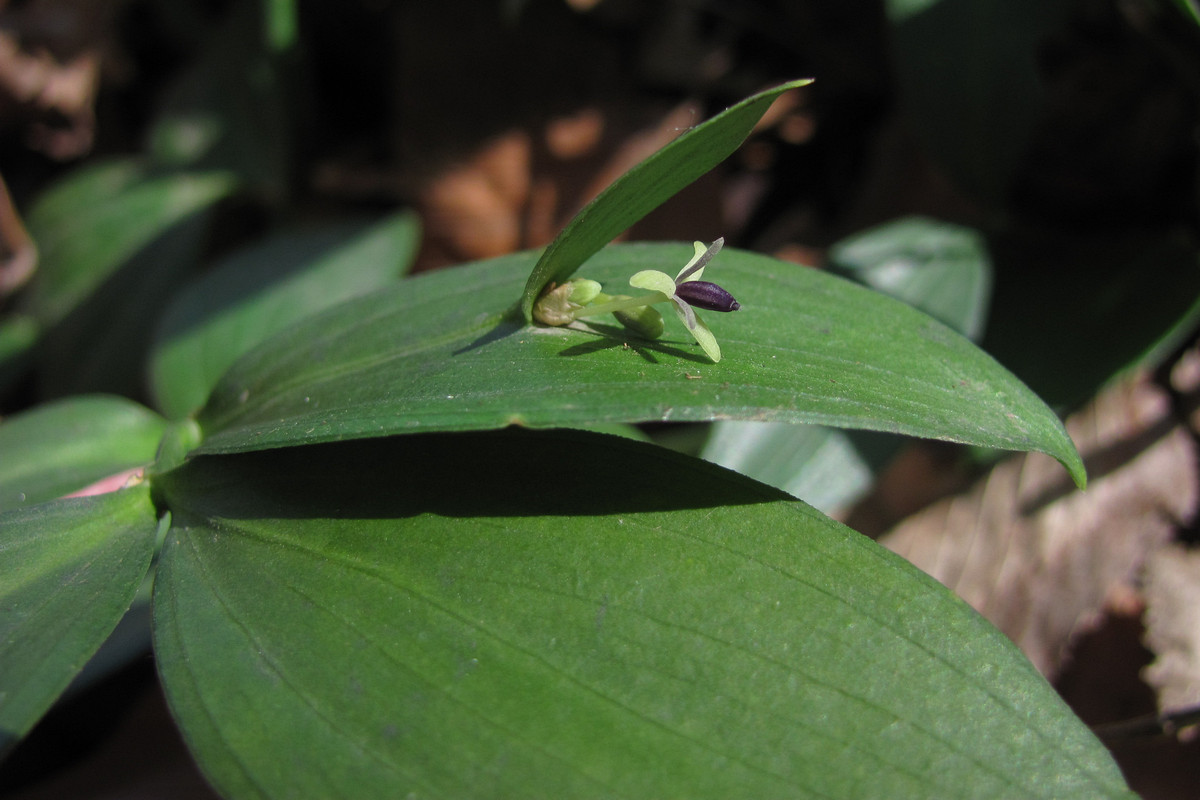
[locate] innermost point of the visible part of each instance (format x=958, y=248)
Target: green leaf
x=941, y=268
x=435, y=353
x=817, y=464
x=263, y=289
x=68, y=571
x=553, y=614
x=645, y=187
x=89, y=225
x=62, y=447
x=115, y=241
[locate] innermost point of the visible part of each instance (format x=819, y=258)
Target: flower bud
x=644, y=321
x=558, y=304
x=583, y=290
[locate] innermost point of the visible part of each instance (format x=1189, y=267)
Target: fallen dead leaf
x=1172, y=592
x=51, y=55
x=475, y=208
x=517, y=190
x=1040, y=559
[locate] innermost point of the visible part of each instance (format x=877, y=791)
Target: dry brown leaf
x=1172, y=592
x=475, y=208
x=18, y=254
x=1040, y=559
x=50, y=63
x=640, y=146
x=575, y=135
x=517, y=191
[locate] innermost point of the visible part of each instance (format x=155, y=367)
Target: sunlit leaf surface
x=553, y=614
x=68, y=571
x=435, y=353
x=262, y=290
x=62, y=447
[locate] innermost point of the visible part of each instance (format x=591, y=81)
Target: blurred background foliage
x=1024, y=170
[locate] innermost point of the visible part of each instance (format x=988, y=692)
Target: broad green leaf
x=436, y=353
x=548, y=614
x=90, y=224
x=939, y=268
x=63, y=446
x=815, y=463
x=645, y=187
x=68, y=571
x=115, y=240
x=263, y=289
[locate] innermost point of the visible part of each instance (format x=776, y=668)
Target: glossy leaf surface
x=62, y=447
x=554, y=614
x=68, y=571
x=943, y=269
x=262, y=290
x=435, y=353
x=939, y=268
x=815, y=463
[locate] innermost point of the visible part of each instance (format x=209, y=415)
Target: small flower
x=580, y=298
x=687, y=290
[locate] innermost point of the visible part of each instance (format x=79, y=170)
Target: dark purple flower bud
x=708, y=296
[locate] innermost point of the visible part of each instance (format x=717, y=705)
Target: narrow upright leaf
x=645, y=187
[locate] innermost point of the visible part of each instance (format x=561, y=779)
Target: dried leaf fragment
x=1172, y=592
x=1038, y=558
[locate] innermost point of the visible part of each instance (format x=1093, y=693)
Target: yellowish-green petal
x=706, y=340
x=700, y=248
x=654, y=281
x=685, y=313
x=695, y=268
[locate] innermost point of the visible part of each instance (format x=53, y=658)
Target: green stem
x=597, y=309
